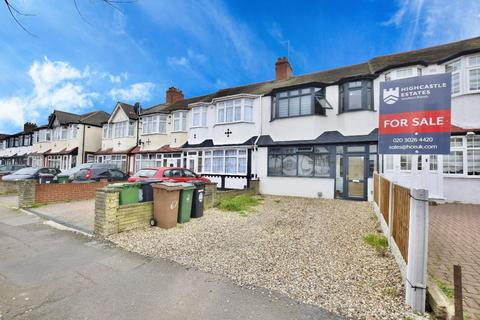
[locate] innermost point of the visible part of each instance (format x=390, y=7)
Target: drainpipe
x=83, y=145
x=258, y=137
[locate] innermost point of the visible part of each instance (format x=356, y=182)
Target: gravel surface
x=309, y=249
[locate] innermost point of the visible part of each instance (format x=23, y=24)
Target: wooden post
x=457, y=292
x=390, y=213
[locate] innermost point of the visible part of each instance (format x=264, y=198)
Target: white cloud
x=137, y=91
x=435, y=21
x=177, y=61
x=56, y=85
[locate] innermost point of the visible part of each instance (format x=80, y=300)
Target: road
x=46, y=273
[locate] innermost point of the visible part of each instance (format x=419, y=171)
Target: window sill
x=199, y=127
x=299, y=116
x=154, y=133
x=349, y=111
x=461, y=176
x=233, y=122
x=180, y=131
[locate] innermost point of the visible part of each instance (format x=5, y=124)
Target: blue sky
x=133, y=54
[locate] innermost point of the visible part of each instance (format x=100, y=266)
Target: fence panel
x=384, y=197
x=401, y=218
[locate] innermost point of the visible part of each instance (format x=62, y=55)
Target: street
x=46, y=273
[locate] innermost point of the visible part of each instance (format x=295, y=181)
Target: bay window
x=124, y=129
x=474, y=73
x=228, y=161
x=464, y=157
x=107, y=131
x=155, y=124
x=179, y=121
x=60, y=133
x=454, y=68
x=199, y=117
x=299, y=162
x=300, y=102
x=235, y=111
x=356, y=95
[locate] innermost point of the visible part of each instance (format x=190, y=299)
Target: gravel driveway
x=309, y=249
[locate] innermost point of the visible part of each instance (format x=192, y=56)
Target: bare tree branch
x=11, y=10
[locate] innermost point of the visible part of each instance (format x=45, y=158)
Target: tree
x=15, y=13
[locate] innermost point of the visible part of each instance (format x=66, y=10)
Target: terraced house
x=316, y=134
x=14, y=148
x=67, y=140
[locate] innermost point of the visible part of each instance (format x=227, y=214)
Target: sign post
x=415, y=115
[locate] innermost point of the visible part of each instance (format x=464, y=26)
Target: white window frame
x=154, y=124
x=226, y=111
x=179, y=121
x=463, y=149
x=124, y=129
x=107, y=131
x=472, y=67
x=240, y=156
x=408, y=161
x=199, y=117
x=456, y=70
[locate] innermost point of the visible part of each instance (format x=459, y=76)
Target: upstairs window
x=235, y=111
x=454, y=68
x=356, y=95
x=300, y=102
x=124, y=129
x=107, y=131
x=73, y=131
x=474, y=73
x=154, y=124
x=179, y=121
x=27, y=140
x=199, y=117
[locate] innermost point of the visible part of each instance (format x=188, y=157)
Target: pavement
x=78, y=215
x=46, y=273
x=454, y=234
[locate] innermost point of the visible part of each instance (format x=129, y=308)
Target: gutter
x=255, y=146
x=83, y=145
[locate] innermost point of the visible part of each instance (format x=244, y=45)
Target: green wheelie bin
x=128, y=192
x=186, y=198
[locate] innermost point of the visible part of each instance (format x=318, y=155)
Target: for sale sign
x=415, y=115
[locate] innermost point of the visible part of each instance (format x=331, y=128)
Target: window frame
x=201, y=113
x=209, y=157
x=311, y=151
x=179, y=117
x=224, y=108
x=367, y=93
x=288, y=94
x=463, y=149
x=155, y=124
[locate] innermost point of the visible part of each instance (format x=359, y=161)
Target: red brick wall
x=61, y=192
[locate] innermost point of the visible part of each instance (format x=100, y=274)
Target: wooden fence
x=403, y=215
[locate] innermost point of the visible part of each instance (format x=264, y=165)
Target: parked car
x=70, y=173
x=98, y=173
x=10, y=168
x=30, y=173
x=167, y=173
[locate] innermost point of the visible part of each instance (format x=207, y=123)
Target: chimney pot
x=283, y=69
x=173, y=95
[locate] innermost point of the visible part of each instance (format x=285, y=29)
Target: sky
x=88, y=59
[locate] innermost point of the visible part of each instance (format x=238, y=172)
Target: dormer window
x=300, y=102
x=237, y=110
x=356, y=95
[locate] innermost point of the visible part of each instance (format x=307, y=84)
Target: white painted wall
x=465, y=190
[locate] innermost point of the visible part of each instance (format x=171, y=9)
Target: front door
x=355, y=181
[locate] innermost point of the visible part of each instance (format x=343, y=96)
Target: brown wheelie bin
x=165, y=204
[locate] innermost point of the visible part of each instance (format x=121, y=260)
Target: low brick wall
x=132, y=216
x=61, y=192
x=8, y=187
x=213, y=196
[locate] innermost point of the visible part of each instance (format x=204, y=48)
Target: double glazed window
x=154, y=124
x=356, y=95
x=180, y=121
x=124, y=129
x=464, y=157
x=107, y=131
x=300, y=102
x=473, y=67
x=454, y=68
x=199, y=117
x=235, y=111
x=465, y=74
x=299, y=162
x=229, y=161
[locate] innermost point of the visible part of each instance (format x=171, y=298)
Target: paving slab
x=454, y=237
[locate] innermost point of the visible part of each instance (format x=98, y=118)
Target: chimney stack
x=29, y=127
x=173, y=95
x=283, y=70
x=137, y=108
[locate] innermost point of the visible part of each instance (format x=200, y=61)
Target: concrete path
x=454, y=239
x=47, y=273
x=9, y=201
x=79, y=215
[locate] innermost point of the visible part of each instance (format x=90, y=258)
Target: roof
x=163, y=149
x=128, y=109
x=328, y=137
x=459, y=130
x=95, y=118
x=368, y=69
x=4, y=136
x=208, y=143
